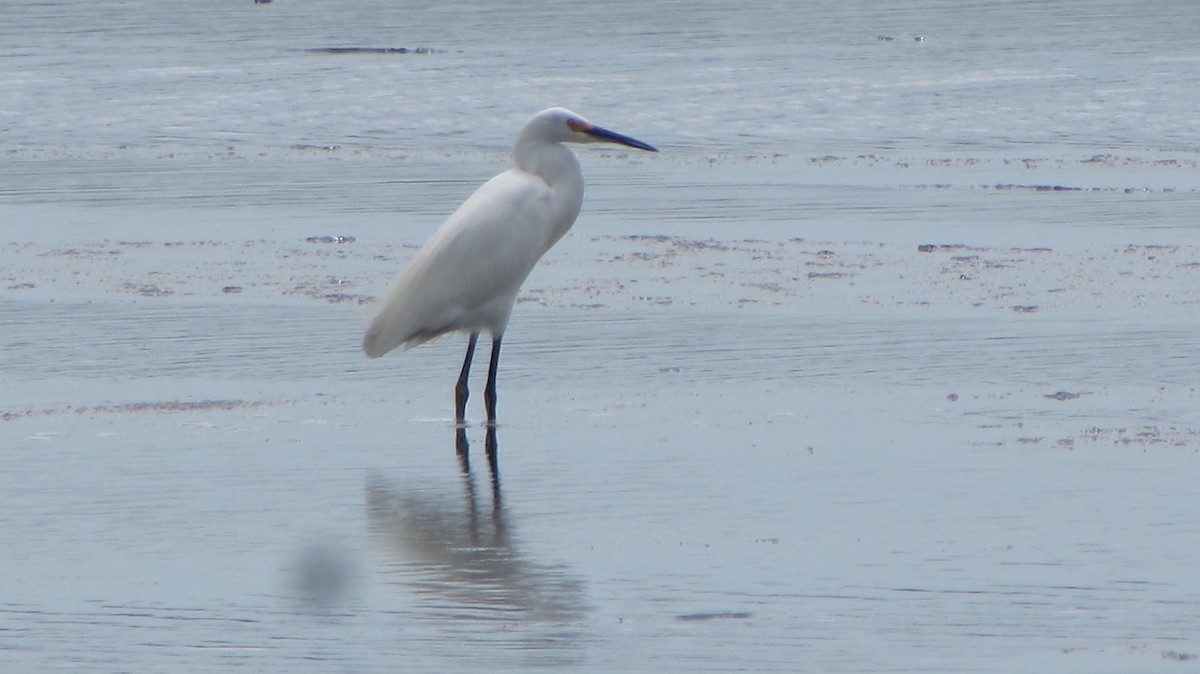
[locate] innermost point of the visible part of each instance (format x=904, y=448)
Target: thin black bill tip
x=620, y=139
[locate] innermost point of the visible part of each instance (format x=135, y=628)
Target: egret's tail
x=376, y=342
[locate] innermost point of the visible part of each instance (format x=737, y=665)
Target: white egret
x=467, y=275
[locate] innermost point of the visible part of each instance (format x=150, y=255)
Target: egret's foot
x=460, y=405
x=489, y=399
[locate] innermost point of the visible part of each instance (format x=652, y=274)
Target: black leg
x=489, y=394
x=460, y=391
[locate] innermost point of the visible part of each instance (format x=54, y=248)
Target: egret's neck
x=558, y=167
x=552, y=162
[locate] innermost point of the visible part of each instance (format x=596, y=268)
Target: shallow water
x=885, y=363
x=667, y=495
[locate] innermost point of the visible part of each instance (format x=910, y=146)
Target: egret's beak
x=607, y=136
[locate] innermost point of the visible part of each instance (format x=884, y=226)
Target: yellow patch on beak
x=576, y=125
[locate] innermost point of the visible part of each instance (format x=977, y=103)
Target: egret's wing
x=469, y=272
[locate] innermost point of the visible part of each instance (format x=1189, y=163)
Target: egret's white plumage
x=467, y=276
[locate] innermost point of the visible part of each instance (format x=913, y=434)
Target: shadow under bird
x=467, y=275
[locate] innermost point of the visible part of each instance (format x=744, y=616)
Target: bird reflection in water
x=462, y=447
x=459, y=555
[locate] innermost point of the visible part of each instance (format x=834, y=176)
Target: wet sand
x=885, y=363
x=737, y=453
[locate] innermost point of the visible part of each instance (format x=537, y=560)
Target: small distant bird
x=467, y=275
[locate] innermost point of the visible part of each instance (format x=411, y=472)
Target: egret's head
x=559, y=125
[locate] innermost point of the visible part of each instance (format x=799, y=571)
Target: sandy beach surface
x=887, y=362
x=715, y=453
